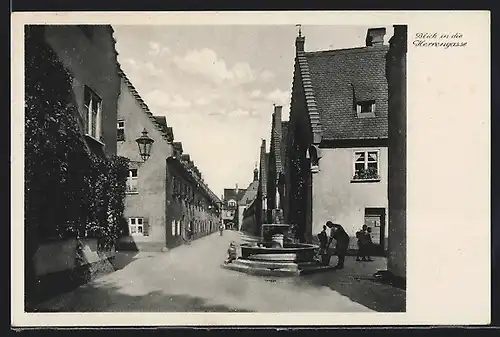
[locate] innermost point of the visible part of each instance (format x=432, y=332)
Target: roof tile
x=333, y=75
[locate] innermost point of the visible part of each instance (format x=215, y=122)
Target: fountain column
x=277, y=202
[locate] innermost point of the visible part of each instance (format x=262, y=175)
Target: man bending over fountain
x=342, y=242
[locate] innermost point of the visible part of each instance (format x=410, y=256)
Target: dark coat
x=341, y=237
x=323, y=238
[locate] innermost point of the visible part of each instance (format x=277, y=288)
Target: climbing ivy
x=69, y=191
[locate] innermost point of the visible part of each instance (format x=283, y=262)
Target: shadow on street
x=110, y=299
x=356, y=281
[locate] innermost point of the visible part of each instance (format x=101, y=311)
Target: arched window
x=232, y=203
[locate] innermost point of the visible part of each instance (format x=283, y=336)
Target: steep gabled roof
x=310, y=99
x=177, y=147
x=276, y=141
x=198, y=182
x=263, y=169
x=160, y=123
x=231, y=193
x=284, y=136
x=250, y=193
x=334, y=80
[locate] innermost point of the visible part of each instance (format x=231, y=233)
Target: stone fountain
x=277, y=253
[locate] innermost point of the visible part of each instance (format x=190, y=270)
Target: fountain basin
x=291, y=252
x=292, y=260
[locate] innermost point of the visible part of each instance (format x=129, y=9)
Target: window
x=120, y=131
x=93, y=112
x=132, y=181
x=366, y=165
x=232, y=203
x=174, y=228
x=366, y=108
x=136, y=226
x=178, y=227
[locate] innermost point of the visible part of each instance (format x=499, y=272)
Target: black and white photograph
x=217, y=168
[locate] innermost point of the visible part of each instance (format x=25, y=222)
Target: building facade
x=245, y=203
x=271, y=198
x=232, y=210
x=336, y=158
x=396, y=78
x=88, y=53
x=151, y=201
x=191, y=205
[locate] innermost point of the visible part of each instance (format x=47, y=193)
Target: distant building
x=166, y=194
x=271, y=191
x=336, y=160
x=256, y=212
x=244, y=204
x=232, y=210
x=396, y=77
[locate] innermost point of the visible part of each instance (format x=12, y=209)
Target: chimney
x=277, y=112
x=375, y=37
x=237, y=189
x=255, y=173
x=299, y=41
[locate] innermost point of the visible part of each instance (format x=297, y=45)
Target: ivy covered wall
x=69, y=191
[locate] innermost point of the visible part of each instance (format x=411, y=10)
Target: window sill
x=366, y=115
x=92, y=138
x=372, y=180
x=95, y=145
x=135, y=192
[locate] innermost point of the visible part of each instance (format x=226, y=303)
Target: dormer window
x=365, y=108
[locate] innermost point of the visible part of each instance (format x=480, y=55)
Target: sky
x=216, y=85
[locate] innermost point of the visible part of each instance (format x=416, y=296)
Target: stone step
x=261, y=271
x=266, y=264
x=273, y=257
x=315, y=269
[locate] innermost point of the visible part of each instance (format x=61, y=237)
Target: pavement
x=189, y=278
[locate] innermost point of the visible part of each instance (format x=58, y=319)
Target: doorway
x=375, y=219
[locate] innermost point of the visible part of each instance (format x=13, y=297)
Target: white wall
x=337, y=199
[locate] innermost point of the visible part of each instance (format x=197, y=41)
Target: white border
x=449, y=263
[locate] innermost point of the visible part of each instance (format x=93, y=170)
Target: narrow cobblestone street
x=189, y=278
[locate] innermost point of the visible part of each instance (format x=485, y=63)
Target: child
x=231, y=253
x=361, y=236
x=369, y=243
x=360, y=249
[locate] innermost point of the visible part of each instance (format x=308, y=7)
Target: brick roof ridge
x=312, y=108
x=199, y=181
x=143, y=105
x=328, y=52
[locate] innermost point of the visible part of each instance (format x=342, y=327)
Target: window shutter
x=145, y=224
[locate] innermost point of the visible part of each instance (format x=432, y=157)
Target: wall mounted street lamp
x=145, y=144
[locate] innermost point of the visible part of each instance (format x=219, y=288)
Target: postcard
x=250, y=168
